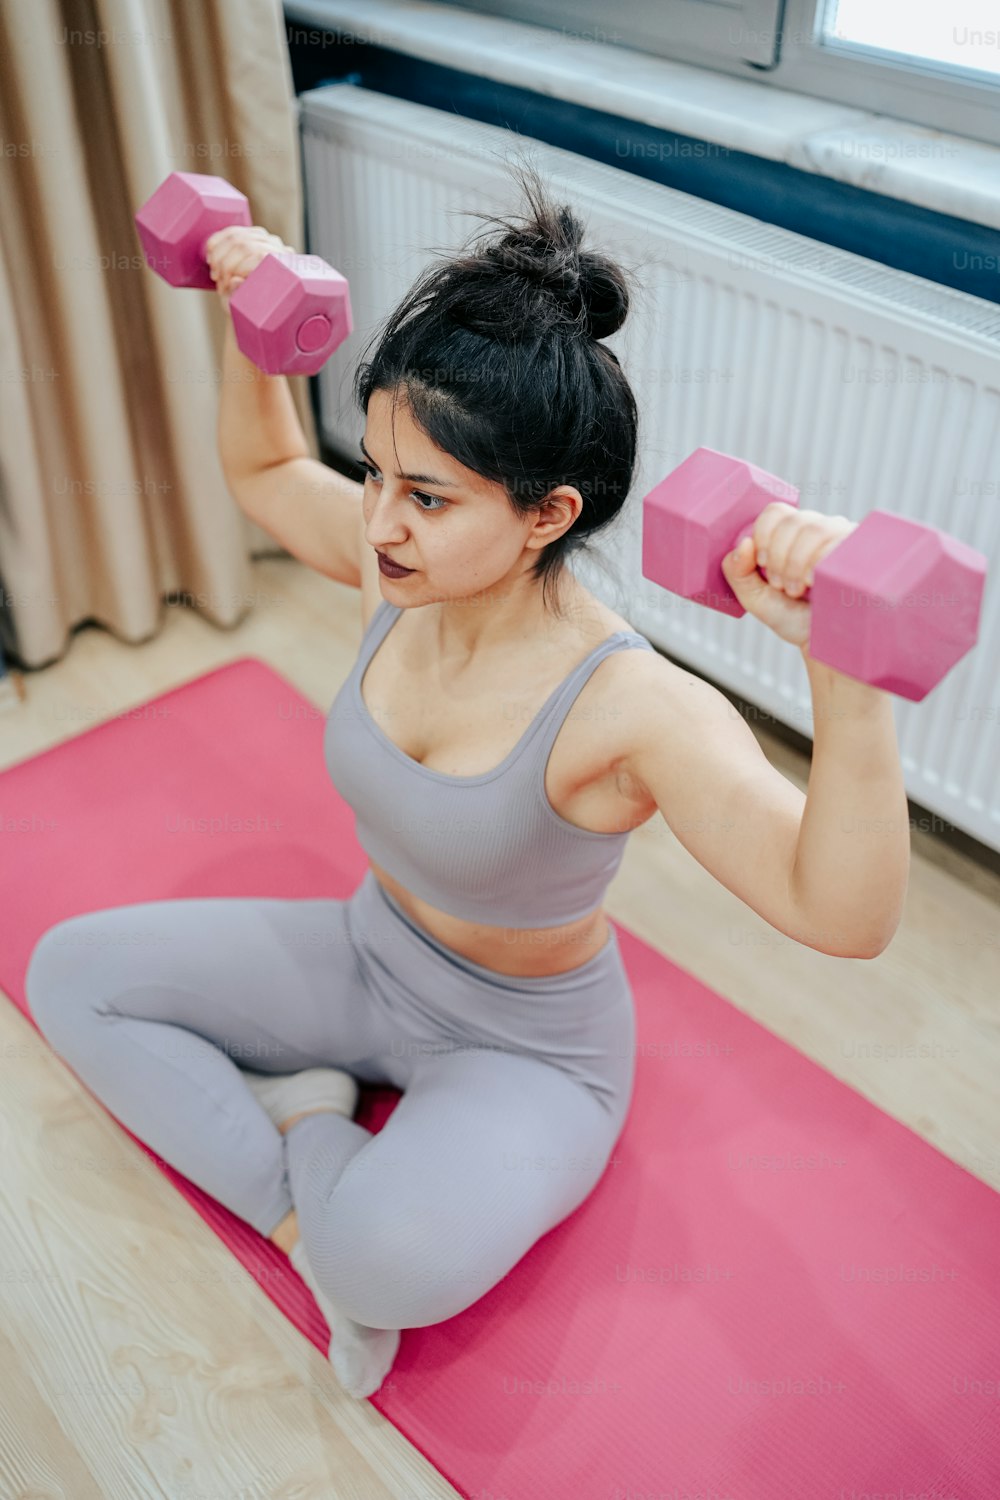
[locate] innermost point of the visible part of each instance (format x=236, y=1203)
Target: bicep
x=740, y=817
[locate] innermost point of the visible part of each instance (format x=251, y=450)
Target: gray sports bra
x=489, y=848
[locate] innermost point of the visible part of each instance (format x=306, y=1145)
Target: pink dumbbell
x=290, y=313
x=896, y=604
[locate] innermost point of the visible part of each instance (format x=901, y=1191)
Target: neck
x=506, y=614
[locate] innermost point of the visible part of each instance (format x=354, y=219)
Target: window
x=963, y=38
x=935, y=63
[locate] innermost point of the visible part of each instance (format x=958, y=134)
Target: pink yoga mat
x=776, y=1292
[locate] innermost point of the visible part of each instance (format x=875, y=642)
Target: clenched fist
x=787, y=543
x=232, y=253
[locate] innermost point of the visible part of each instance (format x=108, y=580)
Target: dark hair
x=497, y=354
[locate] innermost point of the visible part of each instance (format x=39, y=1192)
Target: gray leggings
x=514, y=1090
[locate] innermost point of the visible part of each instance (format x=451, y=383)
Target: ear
x=556, y=514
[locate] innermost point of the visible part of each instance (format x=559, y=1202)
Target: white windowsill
x=948, y=174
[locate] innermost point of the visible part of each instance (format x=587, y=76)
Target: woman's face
x=455, y=529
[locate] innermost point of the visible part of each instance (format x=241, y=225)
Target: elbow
x=849, y=946
x=869, y=952
x=871, y=949
x=885, y=936
x=849, y=939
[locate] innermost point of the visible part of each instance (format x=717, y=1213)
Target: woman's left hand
x=787, y=543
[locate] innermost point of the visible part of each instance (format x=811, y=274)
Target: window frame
x=914, y=90
x=694, y=31
x=781, y=47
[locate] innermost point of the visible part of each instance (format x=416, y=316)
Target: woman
x=500, y=734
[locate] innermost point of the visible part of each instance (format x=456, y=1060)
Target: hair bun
x=589, y=287
x=536, y=276
x=604, y=293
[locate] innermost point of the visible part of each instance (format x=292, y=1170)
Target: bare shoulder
x=634, y=691
x=676, y=732
x=648, y=702
x=643, y=694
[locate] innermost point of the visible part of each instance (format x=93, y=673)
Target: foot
x=361, y=1357
x=285, y=1125
x=286, y=1097
x=286, y=1233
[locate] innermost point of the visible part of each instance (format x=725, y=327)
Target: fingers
x=218, y=244
x=232, y=253
x=793, y=555
x=240, y=261
x=791, y=542
x=241, y=256
x=765, y=532
x=231, y=232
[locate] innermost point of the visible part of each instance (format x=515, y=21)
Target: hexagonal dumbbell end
x=896, y=604
x=697, y=514
x=291, y=313
x=185, y=211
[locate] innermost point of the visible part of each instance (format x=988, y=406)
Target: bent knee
x=388, y=1264
x=55, y=981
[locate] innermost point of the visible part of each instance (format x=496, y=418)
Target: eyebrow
x=447, y=484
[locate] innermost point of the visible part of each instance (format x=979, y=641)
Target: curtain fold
x=111, y=493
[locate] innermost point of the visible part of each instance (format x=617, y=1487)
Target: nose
x=384, y=527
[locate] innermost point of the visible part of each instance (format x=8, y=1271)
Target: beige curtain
x=111, y=494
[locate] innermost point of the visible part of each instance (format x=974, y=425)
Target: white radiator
x=862, y=385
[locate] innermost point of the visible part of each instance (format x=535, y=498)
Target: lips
x=382, y=556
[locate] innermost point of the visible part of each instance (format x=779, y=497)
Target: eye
x=436, y=500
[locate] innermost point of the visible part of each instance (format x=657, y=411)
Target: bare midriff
x=520, y=952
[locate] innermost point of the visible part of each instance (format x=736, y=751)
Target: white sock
x=282, y=1095
x=361, y=1357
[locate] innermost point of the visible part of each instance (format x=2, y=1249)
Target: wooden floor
x=117, y=1383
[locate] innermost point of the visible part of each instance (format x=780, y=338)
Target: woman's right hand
x=232, y=253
